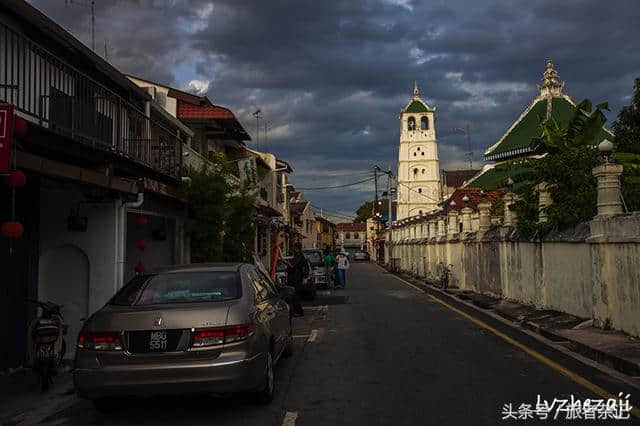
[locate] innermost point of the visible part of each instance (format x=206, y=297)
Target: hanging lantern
x=139, y=267
x=141, y=244
x=12, y=229
x=20, y=127
x=142, y=221
x=16, y=179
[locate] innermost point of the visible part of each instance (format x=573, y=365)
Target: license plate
x=155, y=341
x=158, y=341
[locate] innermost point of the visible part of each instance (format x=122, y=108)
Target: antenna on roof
x=92, y=5
x=467, y=131
x=258, y=115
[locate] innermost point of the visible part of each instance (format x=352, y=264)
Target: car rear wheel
x=265, y=396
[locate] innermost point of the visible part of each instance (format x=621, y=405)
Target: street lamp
x=606, y=148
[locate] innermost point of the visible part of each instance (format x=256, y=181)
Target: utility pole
x=92, y=5
x=389, y=222
x=258, y=116
x=375, y=179
x=467, y=131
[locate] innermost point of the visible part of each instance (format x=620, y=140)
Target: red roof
x=352, y=227
x=187, y=97
x=457, y=178
x=475, y=195
x=188, y=111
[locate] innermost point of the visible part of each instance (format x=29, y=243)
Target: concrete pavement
x=384, y=353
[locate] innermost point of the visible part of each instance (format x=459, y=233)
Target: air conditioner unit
x=161, y=99
x=151, y=90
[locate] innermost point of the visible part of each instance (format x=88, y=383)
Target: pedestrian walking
x=329, y=266
x=298, y=270
x=342, y=261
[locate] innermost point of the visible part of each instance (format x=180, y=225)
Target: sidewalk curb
x=482, y=302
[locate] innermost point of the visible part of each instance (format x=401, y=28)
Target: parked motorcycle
x=48, y=333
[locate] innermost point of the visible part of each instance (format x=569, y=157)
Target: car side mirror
x=287, y=293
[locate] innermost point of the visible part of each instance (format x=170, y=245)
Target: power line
x=333, y=213
x=419, y=193
x=336, y=186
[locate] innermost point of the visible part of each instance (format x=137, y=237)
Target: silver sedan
x=208, y=328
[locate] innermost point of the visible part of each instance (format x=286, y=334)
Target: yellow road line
x=537, y=355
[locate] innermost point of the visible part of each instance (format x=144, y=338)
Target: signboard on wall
x=6, y=137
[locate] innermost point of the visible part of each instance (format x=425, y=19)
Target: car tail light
x=218, y=335
x=100, y=341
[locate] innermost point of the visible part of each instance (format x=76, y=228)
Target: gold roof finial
x=550, y=84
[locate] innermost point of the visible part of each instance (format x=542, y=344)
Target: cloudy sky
x=331, y=76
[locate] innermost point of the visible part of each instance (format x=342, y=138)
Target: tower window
x=420, y=190
x=424, y=123
x=420, y=211
x=414, y=154
x=418, y=148
x=423, y=153
x=415, y=171
x=411, y=123
x=422, y=171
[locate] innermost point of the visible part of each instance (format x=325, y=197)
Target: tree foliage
x=364, y=212
x=566, y=169
x=627, y=126
x=221, y=213
x=627, y=140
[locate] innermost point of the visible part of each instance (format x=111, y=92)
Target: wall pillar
x=510, y=217
x=466, y=219
x=544, y=200
x=609, y=197
x=453, y=223
x=485, y=216
x=442, y=230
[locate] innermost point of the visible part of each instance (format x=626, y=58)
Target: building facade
x=352, y=236
x=418, y=163
x=103, y=167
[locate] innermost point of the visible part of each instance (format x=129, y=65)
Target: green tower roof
x=416, y=107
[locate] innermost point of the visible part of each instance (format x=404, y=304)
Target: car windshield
x=314, y=257
x=179, y=287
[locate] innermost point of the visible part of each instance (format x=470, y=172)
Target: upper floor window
x=355, y=236
x=348, y=236
x=424, y=123
x=411, y=123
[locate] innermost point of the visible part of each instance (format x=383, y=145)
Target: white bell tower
x=418, y=164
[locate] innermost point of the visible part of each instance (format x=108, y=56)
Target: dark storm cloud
x=331, y=76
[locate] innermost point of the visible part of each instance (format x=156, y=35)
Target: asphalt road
x=384, y=353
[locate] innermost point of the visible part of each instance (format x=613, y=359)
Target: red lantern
x=12, y=229
x=16, y=179
x=139, y=267
x=141, y=244
x=142, y=222
x=20, y=127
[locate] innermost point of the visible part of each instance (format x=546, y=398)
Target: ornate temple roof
x=518, y=140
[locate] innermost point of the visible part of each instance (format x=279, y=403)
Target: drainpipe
x=121, y=237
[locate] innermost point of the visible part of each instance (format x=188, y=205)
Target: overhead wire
x=336, y=186
x=419, y=193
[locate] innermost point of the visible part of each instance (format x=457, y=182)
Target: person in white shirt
x=343, y=264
